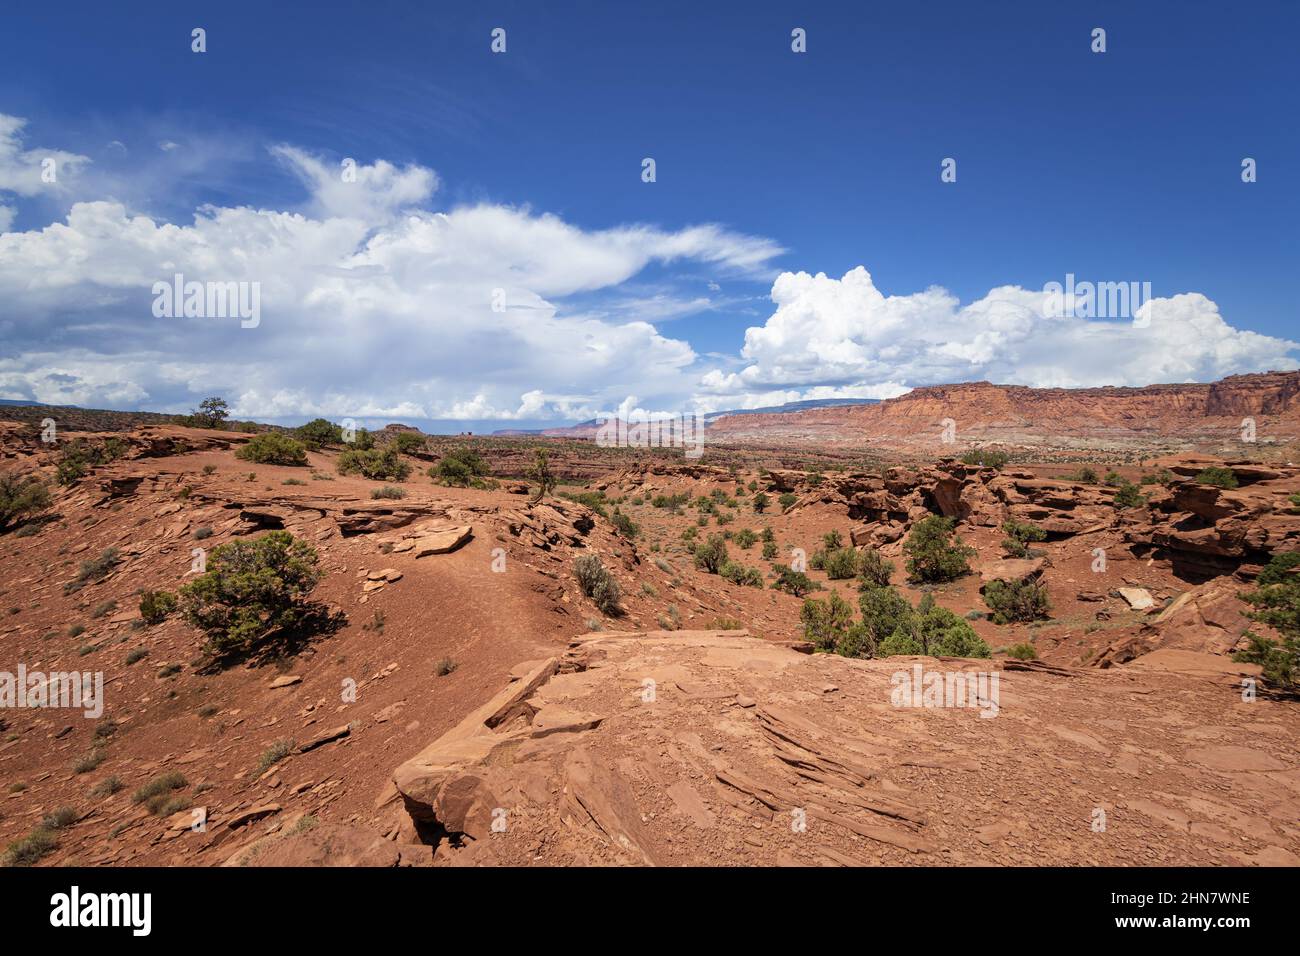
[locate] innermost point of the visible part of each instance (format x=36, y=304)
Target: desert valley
x=398, y=649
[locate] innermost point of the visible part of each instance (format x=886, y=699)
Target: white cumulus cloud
x=372, y=305
x=843, y=337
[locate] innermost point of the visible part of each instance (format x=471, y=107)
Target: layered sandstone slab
x=702, y=747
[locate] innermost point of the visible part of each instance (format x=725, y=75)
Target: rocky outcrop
x=1207, y=531
x=714, y=747
x=1210, y=619
x=312, y=843
x=551, y=524
x=429, y=537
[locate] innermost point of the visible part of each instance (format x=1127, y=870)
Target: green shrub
x=252, y=591
x=745, y=538
x=1023, y=600
x=107, y=787
x=711, y=555
x=1279, y=660
x=377, y=464
x=841, y=564
x=156, y=605
x=761, y=501
x=72, y=467
x=739, y=574
x=1127, y=495
x=934, y=553
x=873, y=570
x=274, y=754
x=157, y=794
x=1162, y=477
x=540, y=474
x=595, y=500
x=1217, y=476
x=94, y=570
x=624, y=525
x=597, y=583
x=21, y=497
x=389, y=492
x=211, y=413
x=793, y=582
x=1023, y=652
x=408, y=442
x=787, y=500
x=769, y=550
x=673, y=503
x=79, y=456
x=163, y=783
x=1084, y=476
x=826, y=622
x=855, y=642
x=103, y=609
x=1018, y=535
x=90, y=762
x=318, y=433
x=59, y=819
x=273, y=448
x=31, y=848
x=935, y=631
x=884, y=611
x=1276, y=600
x=1278, y=569
x=459, y=467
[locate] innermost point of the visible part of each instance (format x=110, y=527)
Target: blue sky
x=1119, y=166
